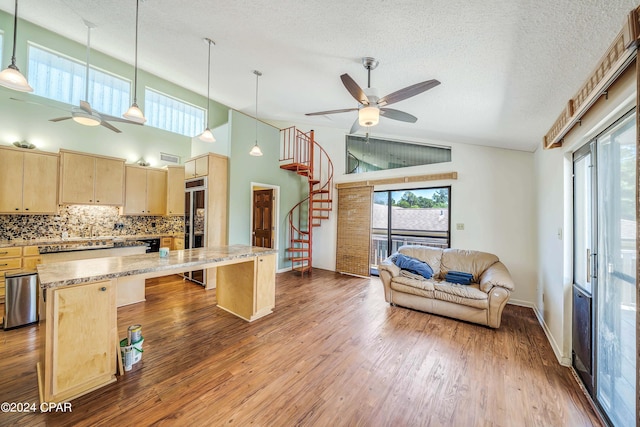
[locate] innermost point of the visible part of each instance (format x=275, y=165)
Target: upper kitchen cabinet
x=145, y=191
x=91, y=180
x=196, y=167
x=28, y=181
x=175, y=190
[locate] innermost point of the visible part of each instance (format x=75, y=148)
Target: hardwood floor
x=332, y=353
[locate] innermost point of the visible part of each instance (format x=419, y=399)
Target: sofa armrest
x=498, y=297
x=496, y=275
x=387, y=270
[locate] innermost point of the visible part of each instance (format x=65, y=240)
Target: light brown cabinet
x=28, y=182
x=217, y=194
x=145, y=191
x=178, y=243
x=82, y=353
x=91, y=180
x=196, y=167
x=10, y=260
x=166, y=242
x=175, y=190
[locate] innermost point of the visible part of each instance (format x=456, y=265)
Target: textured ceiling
x=507, y=67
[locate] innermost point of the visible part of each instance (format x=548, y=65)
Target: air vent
x=170, y=158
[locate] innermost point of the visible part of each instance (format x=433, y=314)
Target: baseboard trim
x=284, y=270
x=564, y=361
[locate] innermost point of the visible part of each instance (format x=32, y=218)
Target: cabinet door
x=189, y=169
x=135, y=191
x=265, y=283
x=175, y=191
x=202, y=166
x=78, y=174
x=84, y=322
x=217, y=203
x=109, y=183
x=40, y=189
x=156, y=192
x=11, y=168
x=178, y=243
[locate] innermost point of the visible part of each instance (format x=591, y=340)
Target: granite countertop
x=49, y=245
x=91, y=270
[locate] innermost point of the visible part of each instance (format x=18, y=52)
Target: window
x=409, y=217
x=372, y=154
x=61, y=78
x=172, y=114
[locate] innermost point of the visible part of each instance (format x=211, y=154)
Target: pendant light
x=11, y=77
x=256, y=151
x=134, y=113
x=207, y=135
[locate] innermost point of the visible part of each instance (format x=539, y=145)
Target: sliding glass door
x=604, y=291
x=616, y=293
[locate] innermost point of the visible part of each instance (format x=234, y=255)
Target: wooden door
x=135, y=202
x=11, y=167
x=109, y=182
x=156, y=192
x=77, y=178
x=84, y=322
x=263, y=218
x=40, y=189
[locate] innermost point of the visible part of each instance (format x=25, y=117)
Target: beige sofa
x=480, y=302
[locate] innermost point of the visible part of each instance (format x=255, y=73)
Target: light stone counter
x=92, y=270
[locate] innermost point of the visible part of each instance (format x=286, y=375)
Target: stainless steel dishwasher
x=21, y=295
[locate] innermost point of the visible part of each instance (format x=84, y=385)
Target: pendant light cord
x=257, y=77
x=209, y=81
x=15, y=34
x=135, y=73
x=86, y=76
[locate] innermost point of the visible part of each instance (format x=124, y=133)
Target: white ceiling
x=507, y=67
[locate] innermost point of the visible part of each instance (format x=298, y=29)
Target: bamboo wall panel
x=354, y=230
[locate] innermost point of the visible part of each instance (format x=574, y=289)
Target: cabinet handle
x=103, y=288
x=4, y=253
x=90, y=200
x=97, y=201
x=26, y=209
x=17, y=209
x=3, y=265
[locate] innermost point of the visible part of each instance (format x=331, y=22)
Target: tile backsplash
x=80, y=221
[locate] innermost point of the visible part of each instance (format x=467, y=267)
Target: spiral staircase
x=300, y=153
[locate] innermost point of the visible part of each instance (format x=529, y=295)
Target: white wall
x=494, y=197
x=553, y=172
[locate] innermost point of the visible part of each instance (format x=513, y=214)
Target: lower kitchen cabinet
x=82, y=356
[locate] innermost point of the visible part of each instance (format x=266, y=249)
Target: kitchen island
x=78, y=306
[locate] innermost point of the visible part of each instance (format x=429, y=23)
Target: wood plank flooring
x=332, y=353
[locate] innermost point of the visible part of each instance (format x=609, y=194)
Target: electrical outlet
x=459, y=226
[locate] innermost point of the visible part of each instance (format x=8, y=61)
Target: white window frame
x=179, y=124
x=113, y=101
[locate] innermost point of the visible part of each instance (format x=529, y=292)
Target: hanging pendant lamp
x=11, y=77
x=207, y=135
x=255, y=150
x=134, y=113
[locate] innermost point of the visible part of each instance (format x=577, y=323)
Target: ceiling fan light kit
x=85, y=118
x=206, y=135
x=370, y=106
x=11, y=77
x=134, y=113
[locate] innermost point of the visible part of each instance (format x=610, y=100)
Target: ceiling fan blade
x=390, y=113
x=354, y=89
x=109, y=126
x=59, y=119
x=407, y=92
x=355, y=127
x=84, y=105
x=118, y=119
x=322, y=113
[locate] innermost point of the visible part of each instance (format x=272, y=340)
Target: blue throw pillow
x=414, y=266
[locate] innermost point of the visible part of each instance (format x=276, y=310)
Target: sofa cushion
x=422, y=288
x=469, y=295
x=413, y=265
x=427, y=254
x=474, y=262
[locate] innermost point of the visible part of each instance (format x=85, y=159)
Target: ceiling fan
x=371, y=107
x=84, y=114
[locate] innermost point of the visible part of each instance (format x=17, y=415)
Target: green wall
x=245, y=169
x=30, y=120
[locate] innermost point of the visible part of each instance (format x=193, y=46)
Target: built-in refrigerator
x=195, y=221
